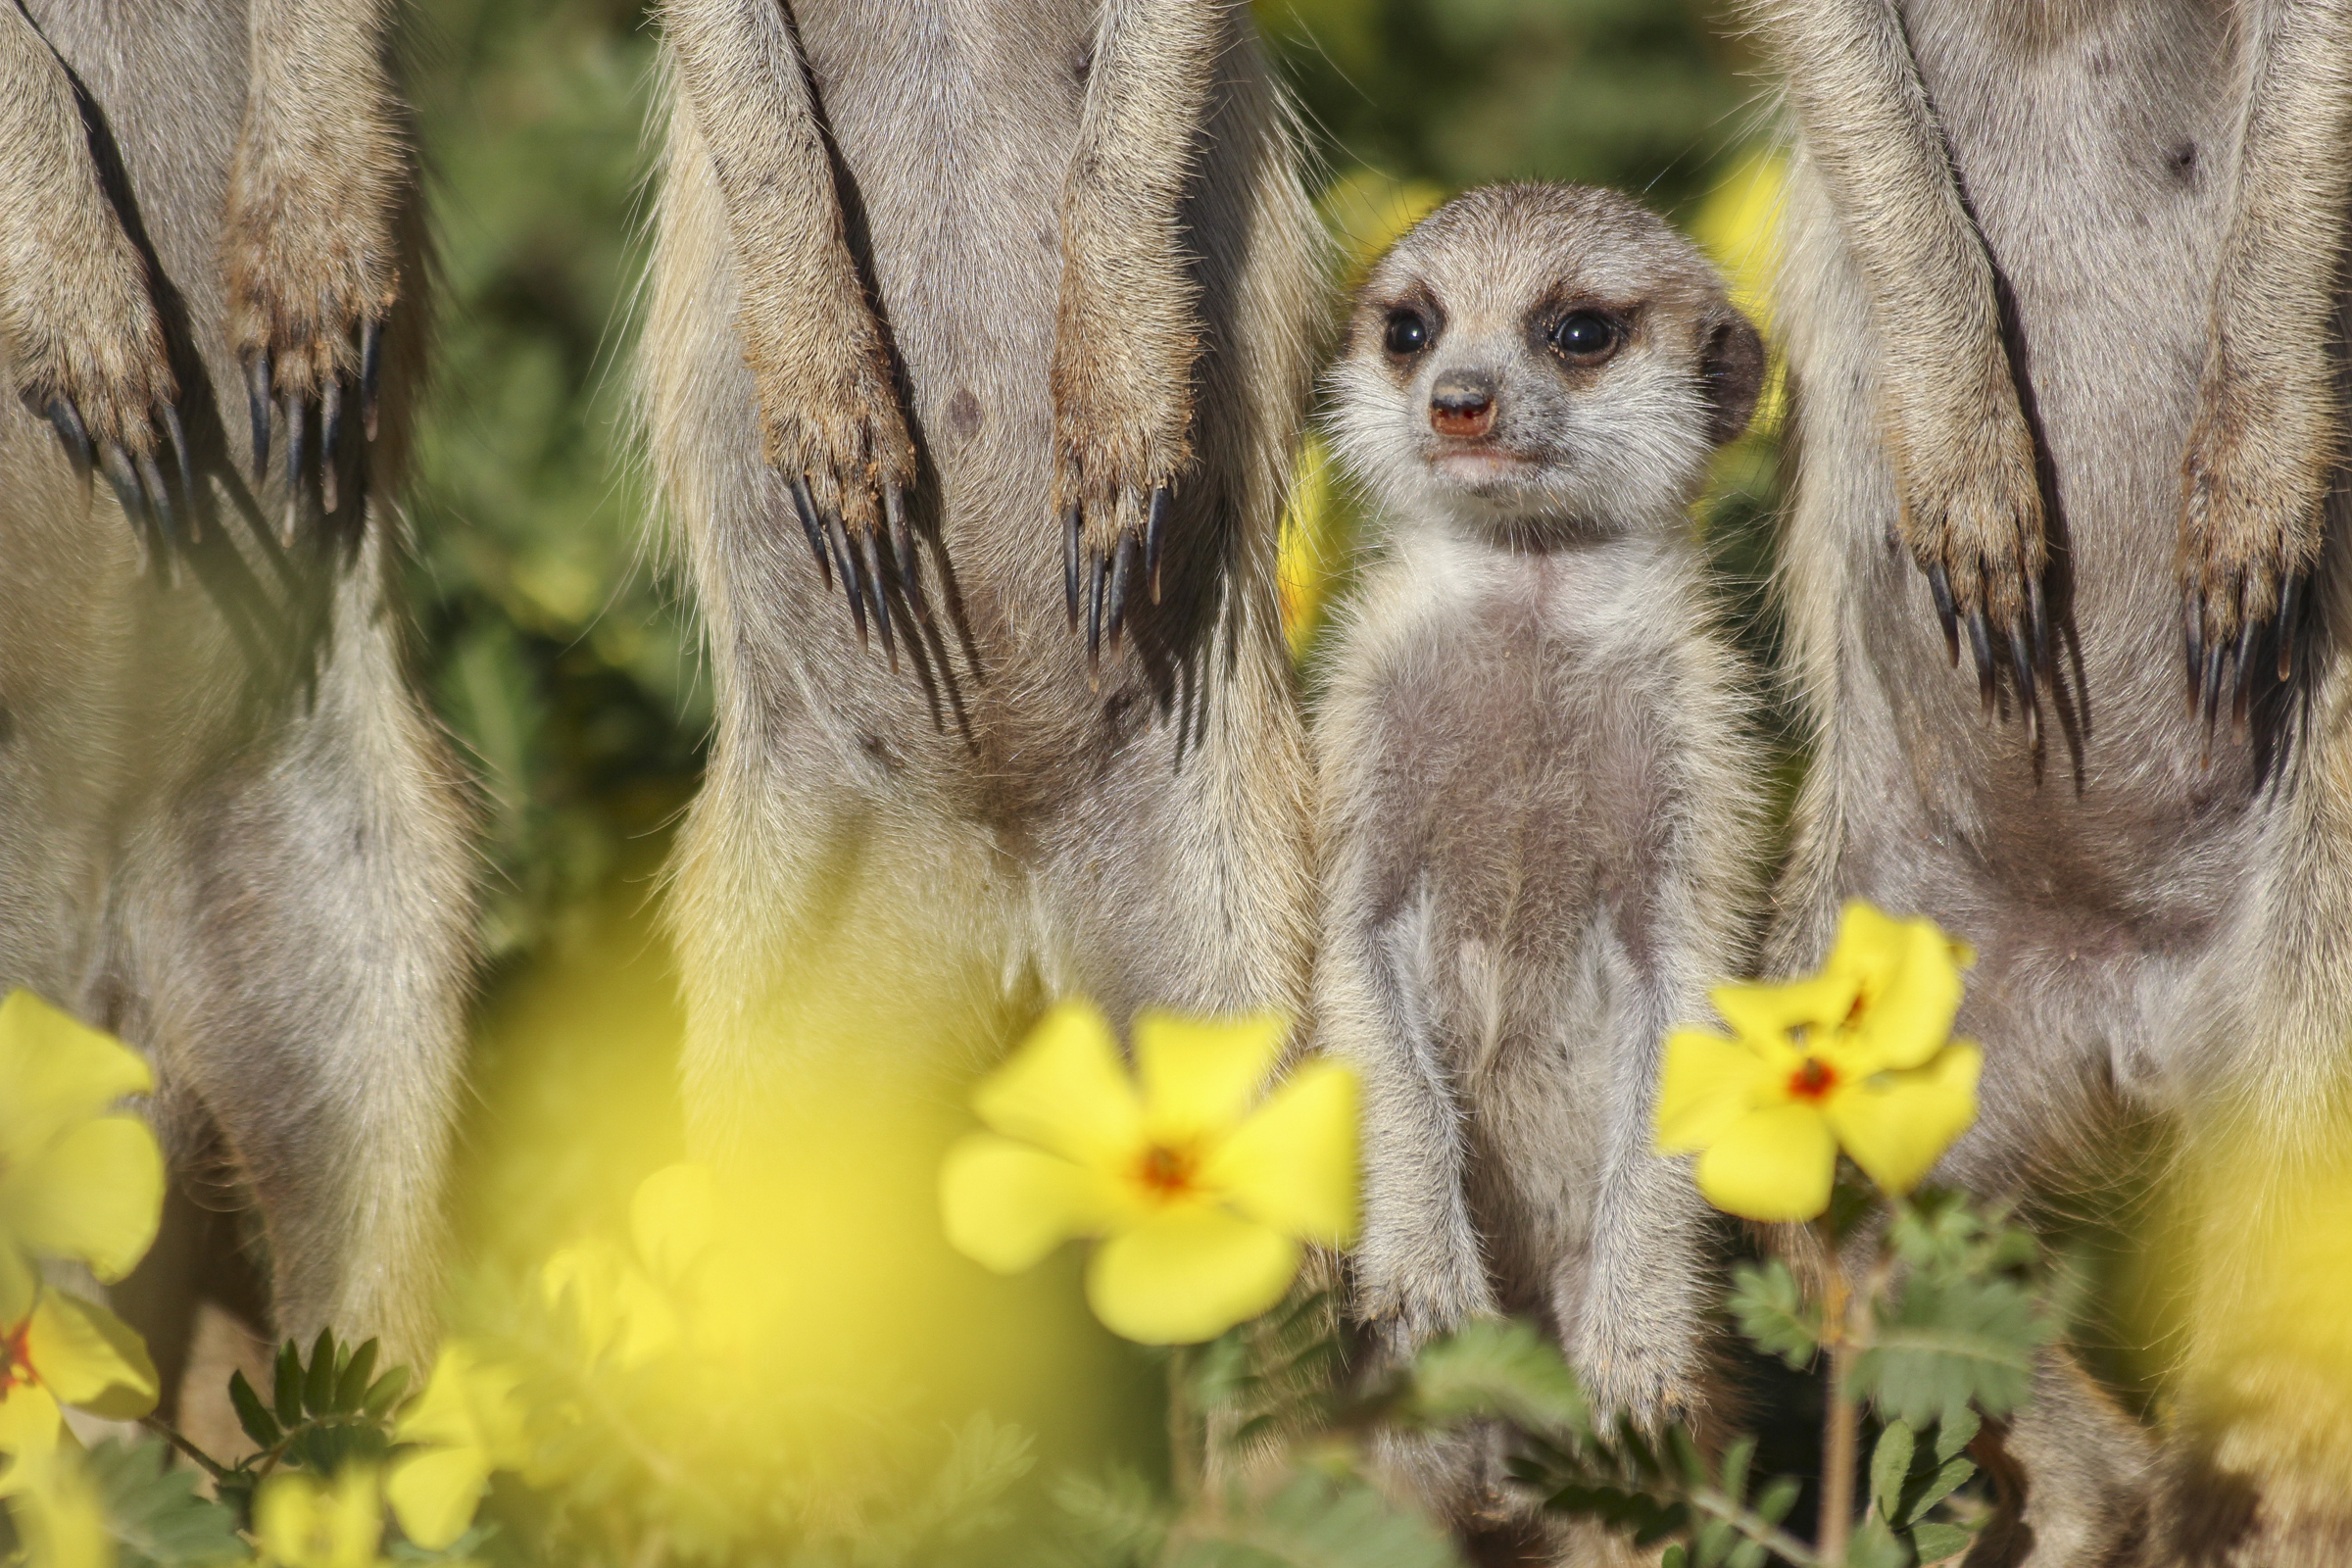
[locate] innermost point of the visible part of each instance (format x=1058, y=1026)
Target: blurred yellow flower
x=1202, y=1201
x=66, y=1352
x=300, y=1521
x=467, y=1423
x=56, y=1509
x=1856, y=1058
x=75, y=1182
x=629, y=1304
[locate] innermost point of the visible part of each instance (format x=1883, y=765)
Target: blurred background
x=555, y=647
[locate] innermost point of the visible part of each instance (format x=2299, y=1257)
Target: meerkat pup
x=1539, y=798
x=229, y=830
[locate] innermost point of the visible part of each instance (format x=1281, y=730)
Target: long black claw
x=67, y=423
x=2192, y=645
x=294, y=413
x=1122, y=568
x=2290, y=596
x=179, y=447
x=902, y=545
x=257, y=405
x=114, y=464
x=1939, y=589
x=1074, y=522
x=2213, y=685
x=1154, y=535
x=874, y=580
x=1980, y=641
x=847, y=559
x=805, y=505
x=1094, y=617
x=330, y=431
x=2021, y=665
x=2240, y=688
x=372, y=371
x=159, y=499
x=2038, y=606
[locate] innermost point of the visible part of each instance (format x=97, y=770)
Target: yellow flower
x=300, y=1521
x=1202, y=1201
x=57, y=1511
x=66, y=1352
x=1856, y=1058
x=75, y=1181
x=467, y=1423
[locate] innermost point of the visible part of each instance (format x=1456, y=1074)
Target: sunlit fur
x=1539, y=800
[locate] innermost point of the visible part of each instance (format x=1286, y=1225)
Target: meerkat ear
x=1732, y=366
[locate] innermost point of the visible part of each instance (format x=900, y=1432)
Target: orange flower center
x=1167, y=1172
x=1813, y=1080
x=16, y=1366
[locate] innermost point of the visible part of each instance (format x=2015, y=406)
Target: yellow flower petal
x=1709, y=1083
x=674, y=1218
x=1909, y=980
x=434, y=1493
x=1768, y=1017
x=94, y=1192
x=1771, y=1164
x=619, y=1307
x=1293, y=1165
x=90, y=1358
x=1897, y=1124
x=302, y=1522
x=20, y=1284
x=1005, y=1204
x=59, y=1071
x=30, y=1424
x=1188, y=1275
x=59, y=1515
x=1200, y=1076
x=1065, y=1088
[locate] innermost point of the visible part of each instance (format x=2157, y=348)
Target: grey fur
x=1540, y=799
x=2135, y=213
x=991, y=258
x=227, y=829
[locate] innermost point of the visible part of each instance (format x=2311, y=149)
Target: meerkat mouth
x=1480, y=466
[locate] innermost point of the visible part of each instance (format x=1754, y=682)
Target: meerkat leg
x=300, y=926
x=312, y=237
x=1963, y=454
x=2268, y=434
x=831, y=422
x=84, y=346
x=1127, y=331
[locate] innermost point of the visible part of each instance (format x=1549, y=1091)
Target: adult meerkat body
x=2065, y=304
x=227, y=830
x=1539, y=796
x=1008, y=315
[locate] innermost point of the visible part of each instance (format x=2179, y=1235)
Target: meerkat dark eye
x=1407, y=333
x=1584, y=334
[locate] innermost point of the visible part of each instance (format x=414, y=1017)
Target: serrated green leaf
x=1772, y=1312
x=1952, y=1436
x=1936, y=1542
x=351, y=1386
x=253, y=1416
x=1890, y=1468
x=152, y=1510
x=1497, y=1370
x=1926, y=1491
x=1951, y=1342
x=285, y=1389
x=318, y=1384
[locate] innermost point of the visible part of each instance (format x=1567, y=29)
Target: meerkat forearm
x=77, y=322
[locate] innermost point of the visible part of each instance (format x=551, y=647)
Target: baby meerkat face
x=1542, y=362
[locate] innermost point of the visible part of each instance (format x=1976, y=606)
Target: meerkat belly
x=954, y=126
x=2099, y=177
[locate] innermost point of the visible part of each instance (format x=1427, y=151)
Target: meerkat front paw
x=87, y=352
x=1971, y=516
x=2253, y=481
x=312, y=260
x=1122, y=421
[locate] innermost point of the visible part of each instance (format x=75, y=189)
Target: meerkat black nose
x=1463, y=403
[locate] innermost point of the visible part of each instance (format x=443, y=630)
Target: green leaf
x=1952, y=1436
x=386, y=1393
x=1950, y=1342
x=253, y=1416
x=1935, y=1543
x=1315, y=1522
x=1737, y=1460
x=351, y=1388
x=286, y=1390
x=1778, y=1497
x=151, y=1509
x=319, y=1386
x=1890, y=1468
x=1926, y=1491
x=1117, y=1521
x=1874, y=1545
x=1773, y=1312
x=1490, y=1369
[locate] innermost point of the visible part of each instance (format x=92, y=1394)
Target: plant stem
x=162, y=1428
x=1187, y=1442
x=1839, y=1423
